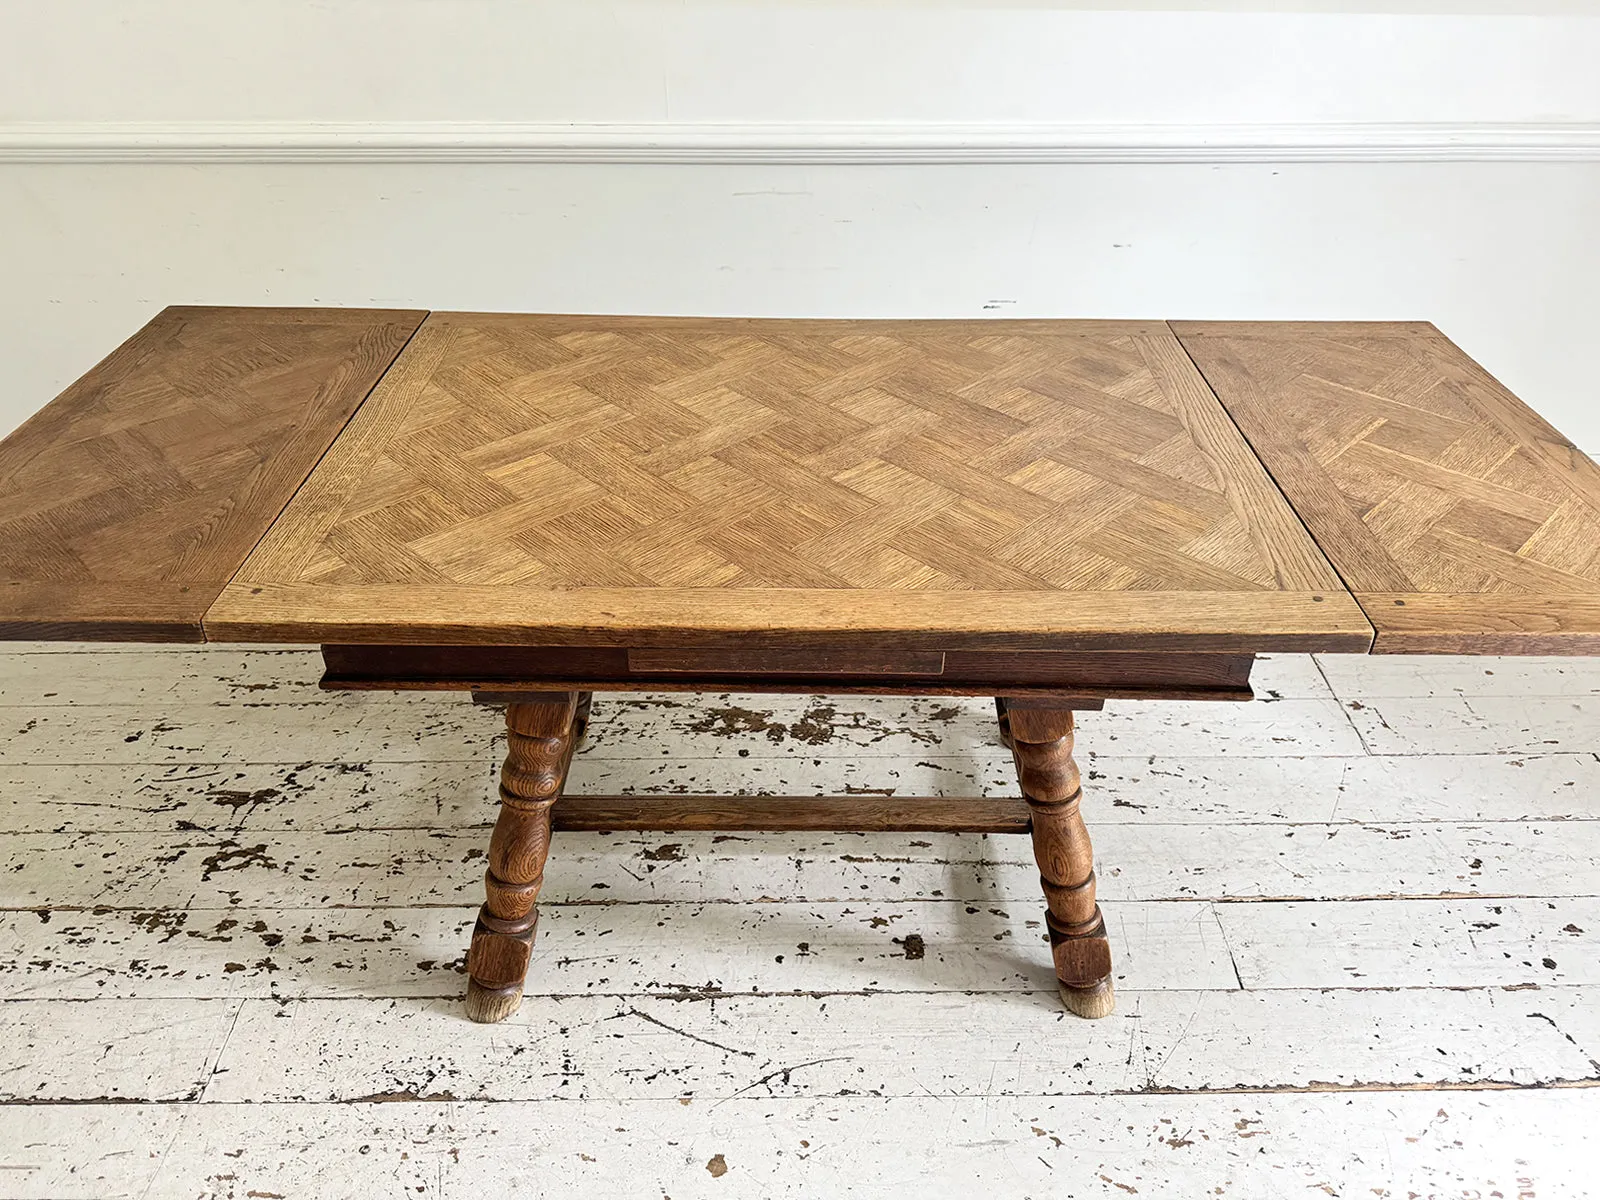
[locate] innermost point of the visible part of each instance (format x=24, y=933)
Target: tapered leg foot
x=541, y=732
x=1041, y=744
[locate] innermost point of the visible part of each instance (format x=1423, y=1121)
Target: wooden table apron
x=535, y=508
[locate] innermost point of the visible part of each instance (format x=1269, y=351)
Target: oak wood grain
x=1202, y=622
x=1041, y=741
x=541, y=735
x=128, y=502
x=830, y=814
x=1462, y=521
x=756, y=661
x=899, y=485
x=1485, y=623
x=487, y=692
x=965, y=672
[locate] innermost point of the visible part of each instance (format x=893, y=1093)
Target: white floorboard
x=408, y=868
x=639, y=1047
x=1244, y=1146
x=1356, y=927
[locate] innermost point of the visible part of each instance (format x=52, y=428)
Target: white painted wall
x=1504, y=255
x=785, y=60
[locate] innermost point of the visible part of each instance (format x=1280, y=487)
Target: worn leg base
x=497, y=963
x=487, y=1005
x=1083, y=964
x=1092, y=1002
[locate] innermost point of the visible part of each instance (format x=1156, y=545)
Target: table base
x=544, y=728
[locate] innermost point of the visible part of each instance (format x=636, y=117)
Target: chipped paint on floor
x=1356, y=929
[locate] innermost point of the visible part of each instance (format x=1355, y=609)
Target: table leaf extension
x=1462, y=521
x=128, y=502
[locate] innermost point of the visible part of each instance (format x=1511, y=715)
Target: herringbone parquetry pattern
x=565, y=452
x=1450, y=484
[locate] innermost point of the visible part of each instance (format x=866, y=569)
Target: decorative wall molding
x=836, y=143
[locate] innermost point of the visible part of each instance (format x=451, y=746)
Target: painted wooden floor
x=1357, y=926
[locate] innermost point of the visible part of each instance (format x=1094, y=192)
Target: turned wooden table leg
x=542, y=732
x=1041, y=743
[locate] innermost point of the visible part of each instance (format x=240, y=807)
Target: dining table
x=530, y=509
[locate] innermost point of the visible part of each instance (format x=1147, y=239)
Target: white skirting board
x=796, y=143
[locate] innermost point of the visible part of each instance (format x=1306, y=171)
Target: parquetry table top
x=611, y=481
x=557, y=479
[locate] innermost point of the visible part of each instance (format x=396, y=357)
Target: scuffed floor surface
x=1357, y=928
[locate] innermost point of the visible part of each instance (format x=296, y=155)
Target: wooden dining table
x=1055, y=513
